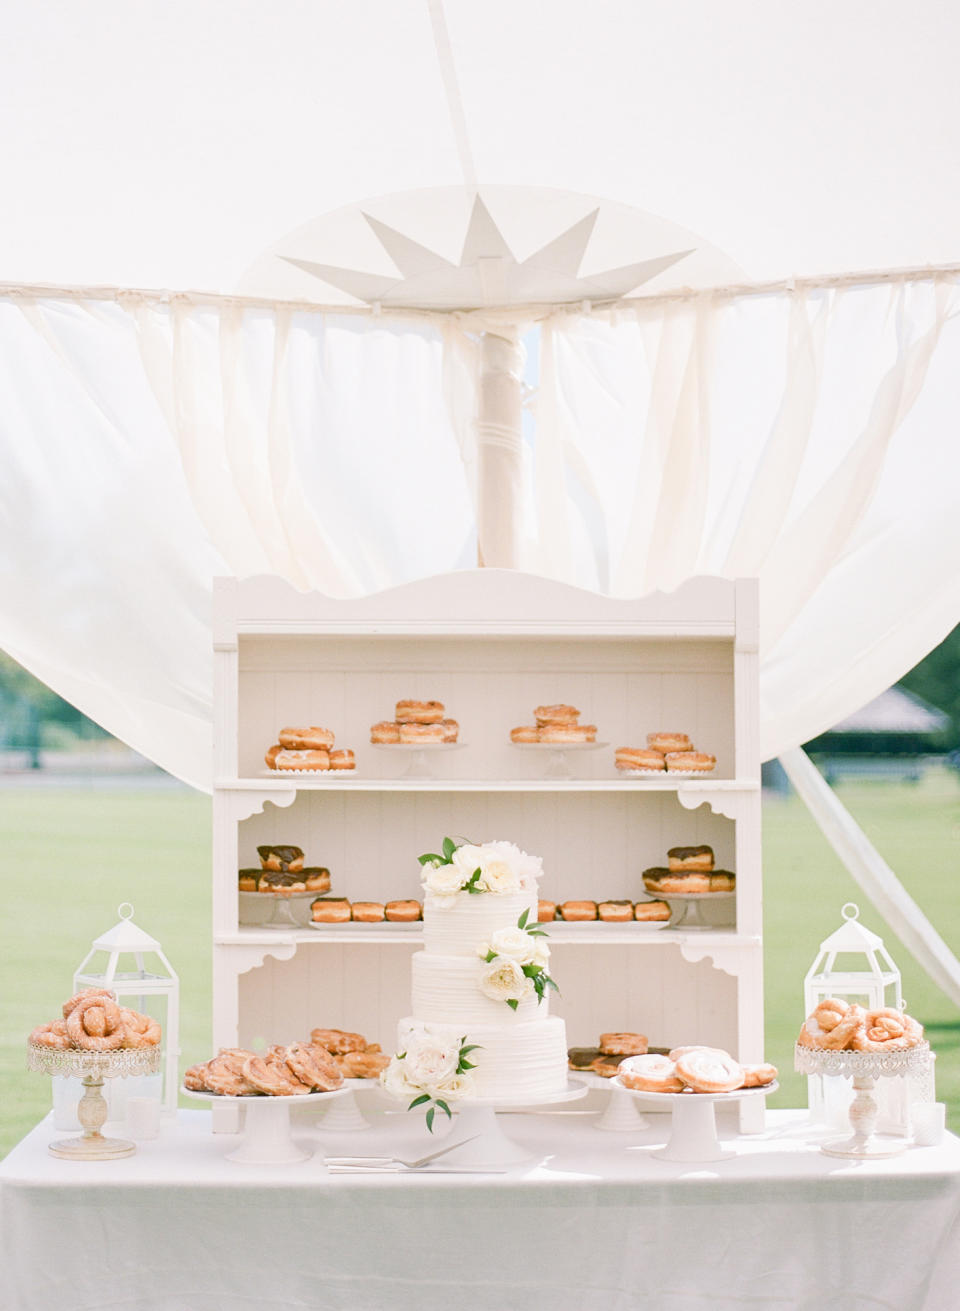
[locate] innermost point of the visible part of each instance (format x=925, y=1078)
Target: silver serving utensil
x=403, y=1169
x=397, y=1160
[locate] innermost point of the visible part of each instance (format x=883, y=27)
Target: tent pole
x=500, y=449
x=872, y=872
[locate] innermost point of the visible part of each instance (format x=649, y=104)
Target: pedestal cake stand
x=693, y=1127
x=265, y=1135
x=864, y=1068
x=92, y=1068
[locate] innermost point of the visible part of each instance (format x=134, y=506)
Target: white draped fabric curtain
x=149, y=444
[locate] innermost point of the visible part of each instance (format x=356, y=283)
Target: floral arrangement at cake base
x=498, y=868
x=433, y=1071
x=516, y=963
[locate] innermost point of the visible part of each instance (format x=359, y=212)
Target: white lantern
x=143, y=979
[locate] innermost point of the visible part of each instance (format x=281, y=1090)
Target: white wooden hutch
x=491, y=644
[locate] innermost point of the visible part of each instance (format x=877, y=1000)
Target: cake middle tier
x=511, y=1063
x=447, y=989
x=456, y=926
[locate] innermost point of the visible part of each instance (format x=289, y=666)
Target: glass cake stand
x=864, y=1068
x=418, y=765
x=557, y=765
x=281, y=913
x=265, y=1134
x=685, y=906
x=693, y=1126
x=92, y=1068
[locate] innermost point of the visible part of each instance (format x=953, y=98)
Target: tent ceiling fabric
x=167, y=145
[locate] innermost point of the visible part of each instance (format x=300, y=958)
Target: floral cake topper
x=500, y=868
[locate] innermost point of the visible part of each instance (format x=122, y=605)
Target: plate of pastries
x=689, y=872
x=318, y=1065
x=695, y=1069
x=338, y=910
x=654, y=914
x=835, y=1025
x=416, y=724
x=283, y=873
x=556, y=726
x=308, y=751
x=665, y=753
x=605, y=1058
x=94, y=1021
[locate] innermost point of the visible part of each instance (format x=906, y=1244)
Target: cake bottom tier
x=522, y=1062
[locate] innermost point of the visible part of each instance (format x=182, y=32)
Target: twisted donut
x=890, y=1030
x=273, y=1079
x=758, y=1076
x=107, y=1027
x=709, y=1070
x=313, y=1066
x=51, y=1035
x=139, y=1030
x=70, y=1005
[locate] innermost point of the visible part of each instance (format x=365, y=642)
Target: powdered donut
x=709, y=1071
x=650, y=1073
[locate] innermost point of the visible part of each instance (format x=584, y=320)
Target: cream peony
x=456, y=1087
x=503, y=980
x=430, y=1061
x=526, y=868
x=394, y=1080
x=498, y=876
x=516, y=944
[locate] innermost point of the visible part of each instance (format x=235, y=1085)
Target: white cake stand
x=693, y=1129
x=864, y=1068
x=265, y=1135
x=344, y=1114
x=620, y=1114
x=484, y=1142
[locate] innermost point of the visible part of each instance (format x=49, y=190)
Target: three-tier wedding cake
x=480, y=1025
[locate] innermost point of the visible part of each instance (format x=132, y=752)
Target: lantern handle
x=125, y=910
x=850, y=910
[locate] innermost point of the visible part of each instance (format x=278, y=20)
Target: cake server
x=398, y=1160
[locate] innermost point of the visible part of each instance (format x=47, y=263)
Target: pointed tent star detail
x=488, y=273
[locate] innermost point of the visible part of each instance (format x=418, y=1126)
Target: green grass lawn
x=72, y=856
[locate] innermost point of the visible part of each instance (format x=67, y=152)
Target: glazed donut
x=650, y=1073
x=421, y=732
x=695, y=858
x=313, y=1067
x=708, y=1070
x=287, y=858
x=194, y=1078
x=336, y=1042
x=419, y=712
x=402, y=912
x=367, y=912
x=608, y=1067
x=669, y=742
x=696, y=760
x=343, y=759
x=638, y=758
x=758, y=1076
x=525, y=733
x=106, y=1030
x=52, y=1035
x=305, y=739
x=138, y=1030
x=578, y=910
x=568, y=733
x=623, y=1044
x=273, y=1078
x=651, y=910
x=846, y=1034
x=319, y=759
x=362, y=1065
x=546, y=911
x=385, y=731
x=70, y=1005
x=615, y=912
x=271, y=755
x=222, y=1077
x=330, y=910
x=558, y=714
x=451, y=730
x=889, y=1030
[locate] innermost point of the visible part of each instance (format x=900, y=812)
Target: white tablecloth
x=600, y=1225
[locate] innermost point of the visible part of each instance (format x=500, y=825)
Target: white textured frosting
x=447, y=989
x=456, y=926
x=520, y=1061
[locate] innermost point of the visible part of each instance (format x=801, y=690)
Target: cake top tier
x=459, y=925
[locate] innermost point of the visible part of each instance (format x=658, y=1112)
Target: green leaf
x=444, y=1107
x=550, y=983
x=430, y=856
x=470, y=1047
x=537, y=933
x=449, y=847
x=418, y=1101
x=465, y=1065
x=522, y=921
x=472, y=888
x=532, y=971
x=491, y=955
x=512, y=1003
x=430, y=1114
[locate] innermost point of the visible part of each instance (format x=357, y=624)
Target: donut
x=385, y=731
x=138, y=1030
x=362, y=1065
x=316, y=878
x=272, y=1078
x=273, y=881
x=287, y=859
x=305, y=739
x=319, y=759
x=708, y=1070
x=368, y=912
x=546, y=911
x=557, y=714
x=451, y=730
x=623, y=1044
x=615, y=912
x=650, y=1073
x=608, y=1067
x=722, y=880
x=677, y=1052
x=582, y=1058
x=831, y=1028
x=105, y=1032
x=651, y=910
x=758, y=1076
x=402, y=912
x=568, y=733
x=71, y=1005
x=421, y=733
x=695, y=858
x=271, y=755
x=53, y=1035
x=343, y=759
x=578, y=910
x=194, y=1078
x=669, y=742
x=525, y=734
x=678, y=883
x=330, y=910
x=638, y=758
x=338, y=1041
x=889, y=1030
x=248, y=880
x=313, y=1066
x=419, y=712
x=695, y=760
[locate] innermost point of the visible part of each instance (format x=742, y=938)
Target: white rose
x=483, y=951
x=442, y=880
x=456, y=1087
x=516, y=944
x=394, y=1080
x=431, y=1060
x=466, y=860
x=503, y=980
